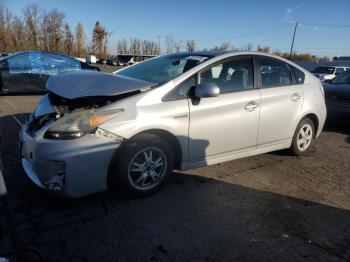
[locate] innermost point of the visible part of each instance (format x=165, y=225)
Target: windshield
x=343, y=78
x=164, y=68
x=324, y=70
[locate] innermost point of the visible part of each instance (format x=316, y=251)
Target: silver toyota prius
x=127, y=131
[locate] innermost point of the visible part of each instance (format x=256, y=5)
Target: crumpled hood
x=75, y=84
x=337, y=90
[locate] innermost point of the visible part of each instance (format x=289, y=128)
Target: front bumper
x=83, y=162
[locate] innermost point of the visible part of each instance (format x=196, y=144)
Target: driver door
x=229, y=122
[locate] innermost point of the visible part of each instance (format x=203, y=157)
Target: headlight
x=80, y=123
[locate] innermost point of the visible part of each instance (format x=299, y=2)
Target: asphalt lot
x=271, y=207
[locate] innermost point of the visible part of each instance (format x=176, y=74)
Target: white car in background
x=129, y=130
x=326, y=73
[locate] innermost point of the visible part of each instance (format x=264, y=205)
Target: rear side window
x=298, y=75
x=274, y=73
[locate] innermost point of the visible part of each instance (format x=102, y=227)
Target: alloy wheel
x=304, y=137
x=147, y=168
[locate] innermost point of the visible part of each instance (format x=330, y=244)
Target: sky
x=323, y=26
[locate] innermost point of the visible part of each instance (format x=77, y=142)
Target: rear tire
x=303, y=137
x=142, y=166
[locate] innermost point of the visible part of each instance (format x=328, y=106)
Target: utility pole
x=158, y=44
x=291, y=48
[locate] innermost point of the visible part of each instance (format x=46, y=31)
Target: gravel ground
x=271, y=207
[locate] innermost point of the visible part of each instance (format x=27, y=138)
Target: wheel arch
x=171, y=140
x=169, y=137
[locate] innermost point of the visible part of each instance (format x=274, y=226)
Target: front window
x=230, y=76
x=164, y=68
x=324, y=70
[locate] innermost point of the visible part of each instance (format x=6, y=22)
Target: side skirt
x=232, y=156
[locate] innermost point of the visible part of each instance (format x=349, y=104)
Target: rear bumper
x=80, y=164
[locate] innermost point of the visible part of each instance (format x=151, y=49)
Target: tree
x=18, y=34
x=68, y=40
x=149, y=47
x=177, y=46
x=122, y=47
x=80, y=39
x=5, y=29
x=31, y=19
x=52, y=31
x=247, y=47
x=135, y=46
x=169, y=44
x=222, y=47
x=264, y=49
x=191, y=45
x=99, y=40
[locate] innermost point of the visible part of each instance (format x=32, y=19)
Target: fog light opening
x=56, y=183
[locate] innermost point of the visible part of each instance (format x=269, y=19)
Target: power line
x=242, y=35
x=324, y=25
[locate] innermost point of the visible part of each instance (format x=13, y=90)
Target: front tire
x=303, y=137
x=142, y=166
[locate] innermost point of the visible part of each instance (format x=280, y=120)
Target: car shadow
x=194, y=218
x=339, y=126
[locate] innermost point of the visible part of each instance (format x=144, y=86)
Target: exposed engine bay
x=62, y=106
x=73, y=92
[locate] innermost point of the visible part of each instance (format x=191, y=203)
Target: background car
x=326, y=73
x=337, y=95
x=28, y=72
x=112, y=62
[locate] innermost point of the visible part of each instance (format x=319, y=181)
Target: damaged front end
x=62, y=146
x=72, y=118
x=75, y=100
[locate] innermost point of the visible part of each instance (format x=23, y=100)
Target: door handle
x=251, y=106
x=295, y=97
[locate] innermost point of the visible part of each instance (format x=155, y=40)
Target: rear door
x=281, y=101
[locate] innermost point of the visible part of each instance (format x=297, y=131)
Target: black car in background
x=28, y=72
x=337, y=96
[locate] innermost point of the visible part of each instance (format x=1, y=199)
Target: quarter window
x=274, y=73
x=230, y=76
x=298, y=76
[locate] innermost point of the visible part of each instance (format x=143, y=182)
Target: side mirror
x=206, y=90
